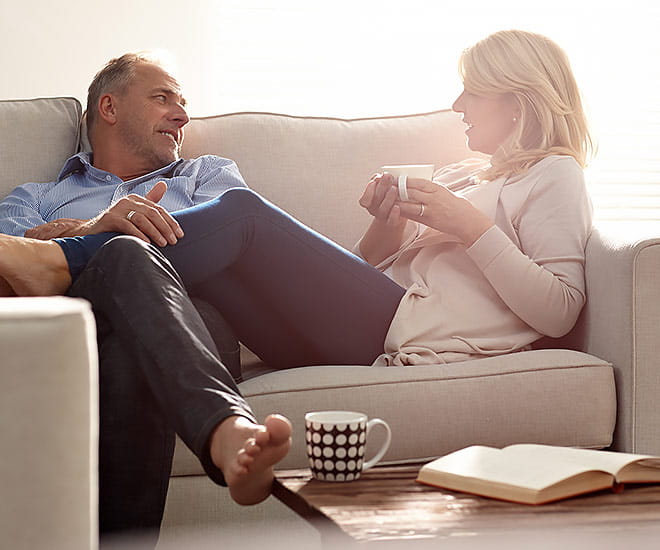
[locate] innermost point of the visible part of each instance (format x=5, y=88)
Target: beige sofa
x=597, y=388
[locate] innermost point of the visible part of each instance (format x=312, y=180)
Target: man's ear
x=108, y=108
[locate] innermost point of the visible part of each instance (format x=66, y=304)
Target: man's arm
x=149, y=221
x=19, y=215
x=215, y=176
x=19, y=211
x=53, y=229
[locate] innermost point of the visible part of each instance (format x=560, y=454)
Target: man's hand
x=56, y=228
x=148, y=221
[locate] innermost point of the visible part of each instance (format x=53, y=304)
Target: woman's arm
x=443, y=210
x=543, y=281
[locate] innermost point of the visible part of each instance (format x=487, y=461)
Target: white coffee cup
x=423, y=171
x=405, y=171
x=336, y=443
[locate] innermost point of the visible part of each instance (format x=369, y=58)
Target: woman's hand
x=437, y=207
x=385, y=234
x=380, y=199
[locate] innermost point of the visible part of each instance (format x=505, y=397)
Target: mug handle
x=388, y=438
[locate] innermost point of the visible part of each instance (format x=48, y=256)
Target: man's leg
x=136, y=445
x=172, y=359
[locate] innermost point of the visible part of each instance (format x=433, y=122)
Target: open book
x=537, y=474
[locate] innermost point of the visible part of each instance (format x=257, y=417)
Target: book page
x=523, y=468
x=608, y=461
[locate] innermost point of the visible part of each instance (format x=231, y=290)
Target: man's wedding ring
x=421, y=210
x=130, y=215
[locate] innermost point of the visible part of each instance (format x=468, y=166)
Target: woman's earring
x=515, y=119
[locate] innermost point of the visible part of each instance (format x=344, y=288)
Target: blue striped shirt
x=82, y=191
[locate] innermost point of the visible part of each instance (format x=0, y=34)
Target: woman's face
x=490, y=119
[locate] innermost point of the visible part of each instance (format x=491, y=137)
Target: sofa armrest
x=620, y=324
x=48, y=424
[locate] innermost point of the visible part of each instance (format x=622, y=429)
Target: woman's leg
x=30, y=267
x=317, y=302
x=80, y=250
x=293, y=296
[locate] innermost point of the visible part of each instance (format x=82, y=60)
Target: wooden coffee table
x=386, y=504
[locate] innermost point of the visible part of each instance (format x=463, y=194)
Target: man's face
x=151, y=115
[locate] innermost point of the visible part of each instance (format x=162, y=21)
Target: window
x=368, y=58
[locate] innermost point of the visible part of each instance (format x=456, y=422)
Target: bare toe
x=248, y=469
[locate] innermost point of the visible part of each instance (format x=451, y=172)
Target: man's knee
x=123, y=249
x=127, y=257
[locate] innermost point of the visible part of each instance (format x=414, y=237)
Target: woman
x=484, y=263
x=519, y=223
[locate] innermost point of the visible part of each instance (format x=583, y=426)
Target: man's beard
x=144, y=148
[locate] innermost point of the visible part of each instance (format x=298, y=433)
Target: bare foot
x=246, y=453
x=31, y=267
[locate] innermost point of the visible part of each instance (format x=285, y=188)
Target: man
x=156, y=378
x=135, y=119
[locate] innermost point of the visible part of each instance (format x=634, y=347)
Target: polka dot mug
x=336, y=442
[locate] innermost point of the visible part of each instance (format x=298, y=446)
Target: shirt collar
x=75, y=163
x=82, y=162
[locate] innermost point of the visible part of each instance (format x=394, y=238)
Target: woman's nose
x=457, y=106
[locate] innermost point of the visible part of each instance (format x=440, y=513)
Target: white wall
x=55, y=48
x=231, y=54
x=345, y=57
x=353, y=58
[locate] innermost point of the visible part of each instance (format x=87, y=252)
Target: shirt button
x=108, y=177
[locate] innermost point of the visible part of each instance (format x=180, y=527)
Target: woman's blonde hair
x=536, y=71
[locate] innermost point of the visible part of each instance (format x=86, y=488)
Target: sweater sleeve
x=543, y=281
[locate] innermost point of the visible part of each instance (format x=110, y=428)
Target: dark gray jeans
x=159, y=375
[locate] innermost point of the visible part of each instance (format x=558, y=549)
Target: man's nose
x=180, y=115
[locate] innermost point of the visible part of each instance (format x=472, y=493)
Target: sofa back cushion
x=36, y=137
x=317, y=168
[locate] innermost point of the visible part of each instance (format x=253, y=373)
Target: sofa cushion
x=556, y=397
x=36, y=137
x=317, y=168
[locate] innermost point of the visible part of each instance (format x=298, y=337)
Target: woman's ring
x=421, y=210
x=130, y=215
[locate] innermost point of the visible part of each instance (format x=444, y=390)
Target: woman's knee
x=241, y=200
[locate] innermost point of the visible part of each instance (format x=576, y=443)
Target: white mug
x=423, y=171
x=405, y=171
x=336, y=442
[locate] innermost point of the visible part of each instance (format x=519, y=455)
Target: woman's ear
x=108, y=108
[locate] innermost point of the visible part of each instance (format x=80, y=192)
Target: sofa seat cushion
x=555, y=397
x=37, y=136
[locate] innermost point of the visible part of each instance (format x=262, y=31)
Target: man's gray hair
x=113, y=78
